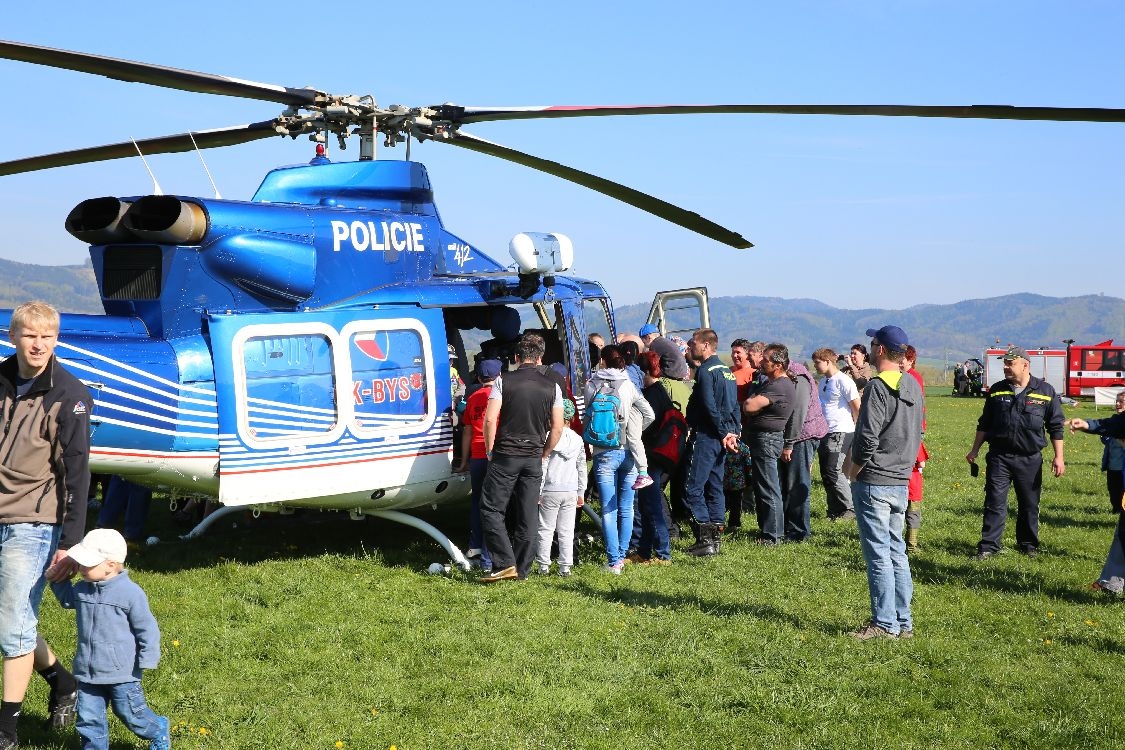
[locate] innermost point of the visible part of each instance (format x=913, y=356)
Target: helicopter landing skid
x=429, y=530
x=215, y=515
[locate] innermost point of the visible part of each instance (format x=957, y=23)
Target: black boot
x=717, y=537
x=705, y=541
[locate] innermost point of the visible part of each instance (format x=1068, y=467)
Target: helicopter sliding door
x=332, y=412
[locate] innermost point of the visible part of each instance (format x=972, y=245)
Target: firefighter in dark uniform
x=1017, y=413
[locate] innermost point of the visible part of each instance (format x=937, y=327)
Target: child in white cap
x=117, y=638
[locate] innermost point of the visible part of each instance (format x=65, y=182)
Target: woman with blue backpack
x=611, y=398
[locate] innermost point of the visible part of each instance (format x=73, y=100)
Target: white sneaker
x=643, y=480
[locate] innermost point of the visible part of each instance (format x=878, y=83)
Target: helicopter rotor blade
x=156, y=75
x=231, y=136
x=655, y=206
x=462, y=115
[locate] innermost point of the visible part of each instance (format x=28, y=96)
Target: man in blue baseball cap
x=887, y=435
x=673, y=364
x=891, y=337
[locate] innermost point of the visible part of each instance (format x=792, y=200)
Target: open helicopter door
x=344, y=409
x=680, y=311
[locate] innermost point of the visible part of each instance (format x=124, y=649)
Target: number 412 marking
x=461, y=253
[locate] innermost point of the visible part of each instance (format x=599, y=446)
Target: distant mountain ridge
x=69, y=288
x=955, y=331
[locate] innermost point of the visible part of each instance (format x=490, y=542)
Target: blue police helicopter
x=295, y=350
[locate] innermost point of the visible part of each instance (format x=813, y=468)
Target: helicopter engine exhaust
x=166, y=220
x=97, y=221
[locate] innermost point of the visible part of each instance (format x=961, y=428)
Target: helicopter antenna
x=155, y=185
x=205, y=169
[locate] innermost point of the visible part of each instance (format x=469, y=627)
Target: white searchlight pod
x=540, y=255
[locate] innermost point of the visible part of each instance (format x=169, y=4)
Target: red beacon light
x=320, y=157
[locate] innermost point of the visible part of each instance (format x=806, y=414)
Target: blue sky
x=857, y=212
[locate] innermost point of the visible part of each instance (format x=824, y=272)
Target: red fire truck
x=1091, y=366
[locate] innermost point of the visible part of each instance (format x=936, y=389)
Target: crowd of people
x=756, y=428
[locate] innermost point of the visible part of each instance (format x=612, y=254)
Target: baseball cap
x=1016, y=352
x=648, y=328
x=489, y=369
x=892, y=337
x=98, y=546
x=560, y=369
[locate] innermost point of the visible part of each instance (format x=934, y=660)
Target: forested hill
x=950, y=332
x=69, y=288
x=953, y=331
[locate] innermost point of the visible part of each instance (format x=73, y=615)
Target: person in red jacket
x=473, y=456
x=914, y=489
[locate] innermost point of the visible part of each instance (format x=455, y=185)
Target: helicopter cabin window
x=597, y=317
x=576, y=342
x=290, y=387
x=391, y=377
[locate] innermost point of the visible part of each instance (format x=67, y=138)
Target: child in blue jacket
x=117, y=638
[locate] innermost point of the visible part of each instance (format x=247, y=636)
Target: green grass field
x=313, y=631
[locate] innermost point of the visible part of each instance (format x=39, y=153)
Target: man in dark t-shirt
x=522, y=423
x=767, y=411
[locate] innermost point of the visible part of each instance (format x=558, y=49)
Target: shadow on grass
x=711, y=607
x=35, y=733
x=1087, y=520
x=244, y=539
x=993, y=575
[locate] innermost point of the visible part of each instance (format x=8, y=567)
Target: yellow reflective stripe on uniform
x=1001, y=393
x=1039, y=397
x=726, y=370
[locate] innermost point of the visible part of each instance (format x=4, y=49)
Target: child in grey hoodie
x=117, y=638
x=564, y=484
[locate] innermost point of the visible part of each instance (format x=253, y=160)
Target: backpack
x=603, y=421
x=669, y=440
x=665, y=440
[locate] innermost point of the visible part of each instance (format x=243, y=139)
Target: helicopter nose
x=166, y=220
x=97, y=221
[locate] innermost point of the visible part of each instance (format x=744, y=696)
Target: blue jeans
x=796, y=483
x=124, y=497
x=478, y=467
x=654, y=527
x=765, y=448
x=1113, y=572
x=880, y=513
x=26, y=550
x=128, y=701
x=703, y=489
x=615, y=472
